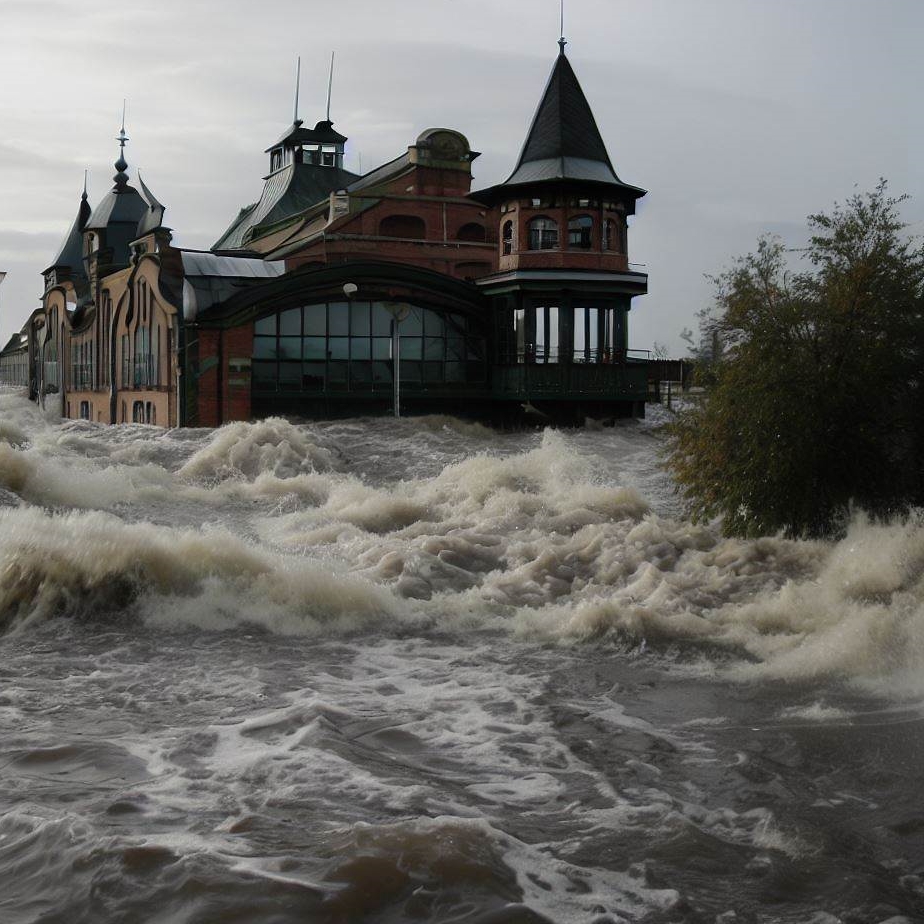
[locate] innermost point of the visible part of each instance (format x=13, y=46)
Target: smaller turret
x=68, y=262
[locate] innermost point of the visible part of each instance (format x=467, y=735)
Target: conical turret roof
x=564, y=142
x=70, y=254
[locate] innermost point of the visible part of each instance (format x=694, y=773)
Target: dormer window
x=276, y=159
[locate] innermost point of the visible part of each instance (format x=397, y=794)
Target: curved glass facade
x=341, y=346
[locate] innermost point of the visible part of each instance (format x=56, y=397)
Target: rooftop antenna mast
x=561, y=31
x=330, y=84
x=298, y=74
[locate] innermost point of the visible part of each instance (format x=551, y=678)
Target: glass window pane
x=338, y=348
x=290, y=376
x=411, y=348
x=265, y=325
x=338, y=317
x=290, y=347
x=475, y=348
x=455, y=372
x=264, y=347
x=413, y=323
x=360, y=348
x=433, y=323
x=475, y=372
x=313, y=376
x=410, y=370
x=316, y=319
x=337, y=375
x=433, y=372
x=313, y=347
x=381, y=320
x=290, y=322
x=381, y=372
x=359, y=319
x=433, y=347
x=381, y=347
x=455, y=348
x=360, y=373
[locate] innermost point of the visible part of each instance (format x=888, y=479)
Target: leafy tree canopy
x=817, y=401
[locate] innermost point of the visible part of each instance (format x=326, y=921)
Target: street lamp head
x=350, y=289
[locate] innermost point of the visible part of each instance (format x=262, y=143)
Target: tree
x=816, y=401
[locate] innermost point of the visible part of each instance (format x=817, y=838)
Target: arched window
x=543, y=234
x=580, y=232
x=143, y=299
x=155, y=355
x=507, y=237
x=403, y=226
x=473, y=231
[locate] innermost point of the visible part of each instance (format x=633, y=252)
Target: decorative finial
x=298, y=75
x=121, y=177
x=330, y=84
x=85, y=173
x=561, y=31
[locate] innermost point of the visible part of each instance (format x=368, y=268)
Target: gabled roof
x=563, y=142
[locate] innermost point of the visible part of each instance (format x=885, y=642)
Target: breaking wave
x=342, y=527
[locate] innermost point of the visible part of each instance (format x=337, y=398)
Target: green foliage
x=817, y=401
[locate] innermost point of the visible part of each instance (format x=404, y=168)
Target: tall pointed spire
x=121, y=165
x=298, y=78
x=70, y=253
x=564, y=144
x=561, y=31
x=330, y=84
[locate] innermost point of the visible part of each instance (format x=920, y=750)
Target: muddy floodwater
x=418, y=670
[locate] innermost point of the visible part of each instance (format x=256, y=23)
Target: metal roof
x=210, y=279
x=70, y=253
x=322, y=133
x=288, y=191
x=203, y=263
x=564, y=142
x=154, y=216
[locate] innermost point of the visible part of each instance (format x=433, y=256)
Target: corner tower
x=563, y=289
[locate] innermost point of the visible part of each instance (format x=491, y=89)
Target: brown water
x=423, y=671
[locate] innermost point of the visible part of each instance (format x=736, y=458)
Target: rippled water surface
x=422, y=671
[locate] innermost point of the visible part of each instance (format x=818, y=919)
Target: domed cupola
x=123, y=215
x=305, y=167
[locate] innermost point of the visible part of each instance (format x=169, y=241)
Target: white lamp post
x=398, y=311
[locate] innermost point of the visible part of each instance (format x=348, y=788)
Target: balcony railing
x=624, y=381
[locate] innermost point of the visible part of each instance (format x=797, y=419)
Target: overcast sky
x=738, y=116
